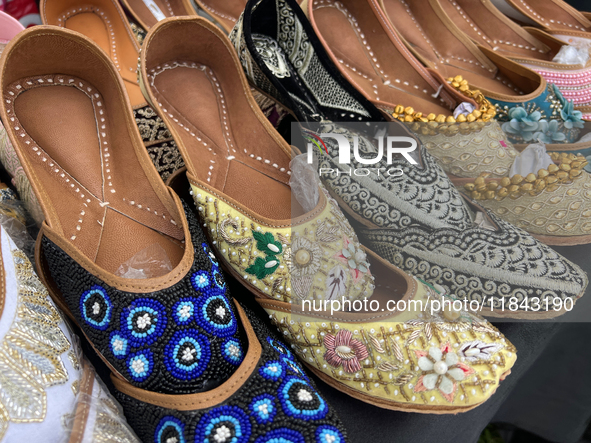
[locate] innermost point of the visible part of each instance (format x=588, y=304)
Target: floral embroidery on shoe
x=570, y=117
x=549, y=132
x=344, y=350
x=355, y=259
x=441, y=370
x=522, y=123
x=267, y=244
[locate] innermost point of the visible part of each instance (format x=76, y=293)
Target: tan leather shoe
x=104, y=22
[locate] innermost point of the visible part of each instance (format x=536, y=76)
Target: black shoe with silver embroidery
x=282, y=56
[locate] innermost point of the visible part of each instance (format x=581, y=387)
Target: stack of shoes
x=436, y=40
x=90, y=135
x=195, y=363
x=104, y=22
x=400, y=209
x=287, y=253
x=531, y=47
x=468, y=150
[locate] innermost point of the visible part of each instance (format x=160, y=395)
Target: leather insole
x=419, y=24
x=194, y=100
x=395, y=81
x=481, y=24
x=105, y=28
x=553, y=16
x=150, y=12
x=90, y=178
x=226, y=12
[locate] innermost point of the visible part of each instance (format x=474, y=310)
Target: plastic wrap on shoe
x=150, y=262
x=531, y=160
x=304, y=182
x=577, y=54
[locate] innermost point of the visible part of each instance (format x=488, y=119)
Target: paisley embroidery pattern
x=479, y=264
x=31, y=351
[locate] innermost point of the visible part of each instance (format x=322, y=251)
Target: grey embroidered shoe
x=417, y=220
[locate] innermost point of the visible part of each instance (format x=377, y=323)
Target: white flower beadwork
x=144, y=321
x=355, y=258
x=441, y=370
x=138, y=366
x=441, y=367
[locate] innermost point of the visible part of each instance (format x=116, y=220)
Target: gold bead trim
x=484, y=113
x=570, y=167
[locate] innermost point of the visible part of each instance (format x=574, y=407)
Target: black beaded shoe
x=283, y=57
x=178, y=347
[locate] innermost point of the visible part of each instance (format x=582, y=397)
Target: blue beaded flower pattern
x=263, y=408
x=272, y=370
x=232, y=351
x=187, y=354
x=299, y=400
x=184, y=310
x=118, y=344
x=170, y=429
x=96, y=308
x=215, y=315
x=200, y=280
x=225, y=424
x=263, y=417
x=143, y=321
x=140, y=365
x=329, y=434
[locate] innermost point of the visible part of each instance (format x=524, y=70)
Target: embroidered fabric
x=392, y=359
x=159, y=143
x=288, y=52
x=422, y=194
x=469, y=153
x=277, y=403
x=479, y=264
x=44, y=379
x=145, y=337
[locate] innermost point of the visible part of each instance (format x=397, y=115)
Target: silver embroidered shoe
x=417, y=220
